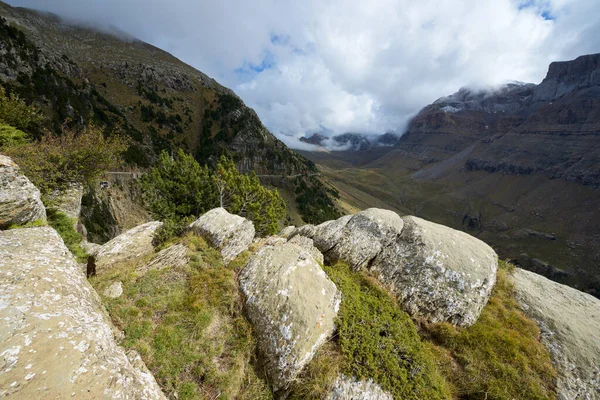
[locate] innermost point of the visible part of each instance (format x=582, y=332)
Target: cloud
x=349, y=65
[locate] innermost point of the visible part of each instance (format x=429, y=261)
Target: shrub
x=57, y=161
x=11, y=136
x=178, y=188
x=15, y=112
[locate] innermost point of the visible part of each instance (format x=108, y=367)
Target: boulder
x=229, y=233
x=358, y=239
x=437, y=272
x=20, y=200
x=172, y=257
x=113, y=291
x=128, y=246
x=292, y=304
x=57, y=340
x=345, y=388
x=307, y=244
x=287, y=231
x=68, y=201
x=570, y=325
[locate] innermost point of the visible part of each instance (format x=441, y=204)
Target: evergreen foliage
x=178, y=189
x=15, y=112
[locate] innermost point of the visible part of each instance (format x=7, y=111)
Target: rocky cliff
x=517, y=165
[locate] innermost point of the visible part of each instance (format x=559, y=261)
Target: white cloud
x=352, y=65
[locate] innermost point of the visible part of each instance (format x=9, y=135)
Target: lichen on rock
x=229, y=233
x=57, y=340
x=292, y=305
x=20, y=200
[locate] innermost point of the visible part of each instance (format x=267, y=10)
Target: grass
x=188, y=326
x=32, y=224
x=500, y=356
x=375, y=340
x=65, y=227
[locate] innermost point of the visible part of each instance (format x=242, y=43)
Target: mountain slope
x=518, y=166
x=80, y=75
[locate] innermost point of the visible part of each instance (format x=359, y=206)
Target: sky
x=336, y=66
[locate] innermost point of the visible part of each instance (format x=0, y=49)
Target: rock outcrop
x=230, y=234
x=128, y=246
x=68, y=201
x=172, y=257
x=570, y=325
x=57, y=341
x=345, y=388
x=292, y=305
x=436, y=272
x=20, y=200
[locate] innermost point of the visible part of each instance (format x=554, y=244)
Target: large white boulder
x=345, y=388
x=56, y=340
x=570, y=325
x=128, y=246
x=436, y=272
x=20, y=200
x=292, y=304
x=229, y=233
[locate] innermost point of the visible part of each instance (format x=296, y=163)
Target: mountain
x=517, y=165
x=351, y=141
x=79, y=75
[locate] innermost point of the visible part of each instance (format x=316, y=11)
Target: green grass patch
x=33, y=224
x=187, y=324
x=65, y=227
x=500, y=356
x=376, y=340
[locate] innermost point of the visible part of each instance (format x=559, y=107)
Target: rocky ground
x=60, y=341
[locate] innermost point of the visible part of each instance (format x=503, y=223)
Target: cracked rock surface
x=436, y=272
x=292, y=304
x=57, y=340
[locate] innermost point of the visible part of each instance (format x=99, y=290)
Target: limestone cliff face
x=552, y=129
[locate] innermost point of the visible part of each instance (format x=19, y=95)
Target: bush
x=15, y=112
x=11, y=136
x=55, y=162
x=178, y=188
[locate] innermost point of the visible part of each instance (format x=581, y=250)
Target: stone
x=20, y=200
x=308, y=244
x=570, y=324
x=90, y=248
x=113, y=291
x=345, y=388
x=229, y=233
x=57, y=340
x=291, y=303
x=437, y=272
x=358, y=241
x=172, y=257
x=128, y=246
x=68, y=201
x=287, y=231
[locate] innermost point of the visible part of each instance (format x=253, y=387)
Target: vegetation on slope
x=65, y=227
x=500, y=356
x=188, y=326
x=178, y=190
x=376, y=340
